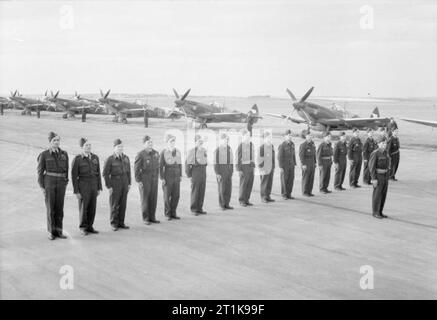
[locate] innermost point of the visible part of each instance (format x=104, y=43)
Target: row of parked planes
x=315, y=116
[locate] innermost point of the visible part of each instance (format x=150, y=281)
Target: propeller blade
x=107, y=93
x=186, y=94
x=176, y=93
x=51, y=93
x=15, y=93
x=307, y=94
x=56, y=95
x=101, y=93
x=45, y=94
x=291, y=95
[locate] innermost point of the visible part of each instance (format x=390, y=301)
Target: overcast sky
x=220, y=47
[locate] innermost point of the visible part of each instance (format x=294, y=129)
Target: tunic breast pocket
x=116, y=169
x=83, y=168
x=50, y=164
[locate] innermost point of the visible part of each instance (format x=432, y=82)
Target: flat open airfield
x=301, y=249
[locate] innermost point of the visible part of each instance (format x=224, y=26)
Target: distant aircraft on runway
x=324, y=119
x=26, y=104
x=423, y=122
x=123, y=109
x=210, y=113
x=71, y=107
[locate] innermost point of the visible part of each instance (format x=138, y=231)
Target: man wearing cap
x=170, y=171
x=245, y=165
x=87, y=184
x=117, y=174
x=324, y=160
x=393, y=146
x=195, y=168
x=339, y=158
x=379, y=166
x=146, y=172
x=355, y=155
x=266, y=165
x=286, y=163
x=53, y=179
x=307, y=155
x=370, y=145
x=223, y=168
x=392, y=125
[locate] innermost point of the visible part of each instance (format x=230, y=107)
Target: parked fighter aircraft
x=424, y=122
x=210, y=113
x=123, y=109
x=27, y=104
x=324, y=119
x=71, y=107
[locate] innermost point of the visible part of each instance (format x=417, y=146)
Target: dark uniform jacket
x=393, y=145
x=116, y=167
x=223, y=160
x=379, y=160
x=146, y=164
x=355, y=149
x=85, y=168
x=53, y=162
x=324, y=153
x=286, y=155
x=370, y=145
x=307, y=153
x=245, y=155
x=340, y=152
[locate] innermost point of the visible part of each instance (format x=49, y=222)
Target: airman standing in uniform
x=286, y=164
x=117, y=174
x=266, y=165
x=146, y=170
x=324, y=160
x=170, y=171
x=370, y=145
x=195, y=168
x=224, y=168
x=355, y=155
x=340, y=154
x=393, y=150
x=245, y=165
x=379, y=166
x=392, y=125
x=53, y=179
x=87, y=184
x=307, y=155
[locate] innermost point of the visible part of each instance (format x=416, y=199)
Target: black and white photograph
x=218, y=151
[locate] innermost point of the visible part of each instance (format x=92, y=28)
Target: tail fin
x=375, y=113
x=254, y=109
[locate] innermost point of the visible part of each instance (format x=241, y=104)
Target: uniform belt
x=381, y=170
x=395, y=152
x=54, y=174
x=326, y=158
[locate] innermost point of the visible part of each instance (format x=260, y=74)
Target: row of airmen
x=150, y=166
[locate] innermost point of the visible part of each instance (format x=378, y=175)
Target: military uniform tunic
x=370, y=145
x=307, y=155
x=53, y=178
x=355, y=155
x=266, y=165
x=87, y=181
x=379, y=166
x=339, y=158
x=287, y=162
x=117, y=175
x=146, y=170
x=245, y=165
x=223, y=166
x=170, y=170
x=195, y=168
x=324, y=160
x=393, y=150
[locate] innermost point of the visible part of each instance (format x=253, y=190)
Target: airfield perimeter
x=301, y=249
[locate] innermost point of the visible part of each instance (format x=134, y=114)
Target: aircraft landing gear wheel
x=23, y=113
x=65, y=116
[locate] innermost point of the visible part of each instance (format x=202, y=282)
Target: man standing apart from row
x=245, y=166
x=195, y=168
x=117, y=175
x=87, y=185
x=53, y=179
x=286, y=164
x=146, y=169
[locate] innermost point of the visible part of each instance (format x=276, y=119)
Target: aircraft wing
x=355, y=122
x=424, y=122
x=283, y=116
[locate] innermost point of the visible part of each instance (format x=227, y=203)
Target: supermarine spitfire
x=71, y=107
x=320, y=118
x=26, y=104
x=209, y=113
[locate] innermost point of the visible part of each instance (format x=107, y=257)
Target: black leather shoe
x=123, y=226
x=249, y=204
x=383, y=215
x=342, y=189
x=323, y=191
x=285, y=198
x=229, y=207
x=265, y=201
x=201, y=212
x=328, y=191
x=155, y=221
x=394, y=179
x=243, y=204
x=169, y=218
x=306, y=194
x=271, y=200
x=176, y=217
x=84, y=232
x=357, y=186
x=61, y=236
x=195, y=213
x=147, y=222
x=378, y=216
x=92, y=230
x=114, y=228
x=311, y=194
x=51, y=237
x=290, y=198
x=338, y=188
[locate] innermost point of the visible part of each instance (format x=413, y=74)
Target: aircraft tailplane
x=375, y=113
